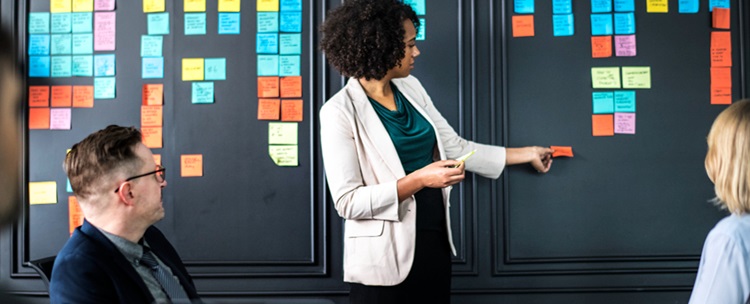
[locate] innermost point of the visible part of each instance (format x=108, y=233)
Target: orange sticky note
x=83, y=96
x=603, y=125
x=523, y=26
x=722, y=96
x=291, y=110
x=38, y=118
x=721, y=18
x=75, y=214
x=721, y=49
x=559, y=151
x=268, y=109
x=153, y=94
x=721, y=77
x=62, y=96
x=152, y=137
x=191, y=165
x=601, y=46
x=291, y=86
x=151, y=116
x=38, y=96
x=157, y=159
x=268, y=86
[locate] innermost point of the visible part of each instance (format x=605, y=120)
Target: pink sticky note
x=59, y=119
x=625, y=46
x=104, y=5
x=624, y=123
x=104, y=31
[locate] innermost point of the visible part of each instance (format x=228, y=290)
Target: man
x=117, y=256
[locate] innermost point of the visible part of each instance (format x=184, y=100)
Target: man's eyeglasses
x=159, y=174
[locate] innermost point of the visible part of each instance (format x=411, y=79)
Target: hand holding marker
x=462, y=159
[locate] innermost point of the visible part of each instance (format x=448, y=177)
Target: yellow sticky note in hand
x=192, y=69
x=42, y=193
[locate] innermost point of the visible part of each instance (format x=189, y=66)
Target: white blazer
x=362, y=168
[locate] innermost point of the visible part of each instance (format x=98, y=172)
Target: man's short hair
x=728, y=158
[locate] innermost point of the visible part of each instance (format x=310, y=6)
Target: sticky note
x=104, y=5
x=294, y=5
x=284, y=156
x=42, y=192
x=289, y=65
x=562, y=25
x=191, y=165
x=83, y=96
x=636, y=77
x=152, y=67
x=657, y=6
x=151, y=116
x=269, y=109
x=61, y=44
x=624, y=123
x=601, y=24
x=104, y=87
x=721, y=77
x=104, y=31
x=523, y=6
x=38, y=96
x=229, y=23
x=603, y=125
x=721, y=49
x=83, y=44
x=68, y=187
x=601, y=6
x=601, y=46
x=624, y=5
x=60, y=6
x=59, y=119
x=82, y=22
x=75, y=214
x=152, y=137
x=158, y=23
x=603, y=102
x=291, y=110
x=624, y=23
x=267, y=43
x=268, y=65
x=151, y=46
x=39, y=118
x=39, y=66
x=153, y=94
x=562, y=7
x=688, y=6
x=39, y=44
x=268, y=86
x=62, y=96
x=290, y=22
x=83, y=65
x=560, y=151
x=267, y=5
x=523, y=26
x=195, y=24
x=83, y=5
x=624, y=101
x=151, y=6
x=282, y=133
x=268, y=22
x=720, y=18
x=419, y=6
x=229, y=5
x=203, y=92
x=605, y=77
x=60, y=23
x=421, y=31
x=192, y=69
x=104, y=65
x=61, y=66
x=215, y=68
x=194, y=6
x=38, y=23
x=717, y=3
x=157, y=159
x=721, y=96
x=291, y=86
x=625, y=46
x=290, y=44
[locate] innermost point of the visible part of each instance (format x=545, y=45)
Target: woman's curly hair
x=364, y=38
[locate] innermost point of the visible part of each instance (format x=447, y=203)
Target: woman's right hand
x=441, y=174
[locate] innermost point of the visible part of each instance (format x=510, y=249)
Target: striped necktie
x=170, y=285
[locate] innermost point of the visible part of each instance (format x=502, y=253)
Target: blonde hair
x=728, y=158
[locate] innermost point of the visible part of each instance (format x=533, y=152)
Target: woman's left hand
x=541, y=159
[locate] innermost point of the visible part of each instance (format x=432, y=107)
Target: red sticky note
x=523, y=26
x=559, y=151
x=601, y=46
x=721, y=96
x=38, y=118
x=151, y=116
x=191, y=165
x=291, y=110
x=268, y=109
x=291, y=86
x=152, y=137
x=721, y=77
x=721, y=49
x=83, y=96
x=268, y=86
x=62, y=96
x=721, y=18
x=38, y=96
x=153, y=94
x=603, y=125
x=75, y=214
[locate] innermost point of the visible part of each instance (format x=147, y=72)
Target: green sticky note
x=282, y=133
x=203, y=92
x=151, y=46
x=83, y=66
x=605, y=77
x=195, y=23
x=284, y=155
x=158, y=23
x=82, y=22
x=289, y=65
x=83, y=44
x=268, y=65
x=61, y=66
x=61, y=23
x=636, y=77
x=104, y=88
x=215, y=68
x=603, y=102
x=38, y=23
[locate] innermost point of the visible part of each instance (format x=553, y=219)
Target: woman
x=724, y=272
x=388, y=153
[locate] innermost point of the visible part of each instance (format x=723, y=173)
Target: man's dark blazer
x=90, y=269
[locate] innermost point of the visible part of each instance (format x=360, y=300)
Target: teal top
x=411, y=133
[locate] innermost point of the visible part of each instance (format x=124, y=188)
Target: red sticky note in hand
x=558, y=151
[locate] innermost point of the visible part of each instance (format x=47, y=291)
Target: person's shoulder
x=733, y=227
x=339, y=102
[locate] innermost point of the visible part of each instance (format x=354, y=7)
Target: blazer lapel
x=407, y=93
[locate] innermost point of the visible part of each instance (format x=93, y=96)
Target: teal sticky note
x=601, y=6
x=290, y=44
x=104, y=88
x=104, y=65
x=624, y=101
x=268, y=65
x=717, y=3
x=203, y=92
x=158, y=23
x=195, y=23
x=60, y=23
x=152, y=67
x=229, y=23
x=268, y=22
x=61, y=66
x=39, y=66
x=151, y=46
x=39, y=44
x=289, y=65
x=419, y=7
x=83, y=43
x=562, y=25
x=267, y=43
x=603, y=102
x=215, y=68
x=83, y=65
x=688, y=6
x=291, y=5
x=38, y=23
x=601, y=24
x=68, y=188
x=422, y=29
x=61, y=44
x=523, y=6
x=562, y=7
x=624, y=23
x=290, y=22
x=82, y=22
x=625, y=5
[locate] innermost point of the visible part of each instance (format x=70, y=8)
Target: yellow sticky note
x=282, y=133
x=59, y=6
x=230, y=5
x=153, y=6
x=605, y=78
x=657, y=6
x=636, y=77
x=268, y=5
x=284, y=156
x=192, y=69
x=83, y=5
x=195, y=5
x=42, y=193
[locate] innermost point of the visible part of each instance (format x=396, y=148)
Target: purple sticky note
x=625, y=45
x=624, y=123
x=104, y=31
x=104, y=5
x=59, y=119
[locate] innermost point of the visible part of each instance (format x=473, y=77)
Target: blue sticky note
x=523, y=6
x=152, y=67
x=601, y=24
x=83, y=65
x=82, y=22
x=195, y=23
x=68, y=188
x=104, y=88
x=688, y=6
x=39, y=44
x=104, y=65
x=268, y=65
x=39, y=66
x=61, y=44
x=151, y=46
x=601, y=6
x=229, y=23
x=422, y=29
x=268, y=22
x=717, y=3
x=61, y=66
x=289, y=65
x=60, y=23
x=603, y=102
x=83, y=43
x=624, y=101
x=625, y=5
x=563, y=25
x=290, y=22
x=562, y=7
x=158, y=23
x=419, y=7
x=290, y=44
x=38, y=23
x=215, y=68
x=267, y=43
x=203, y=92
x=624, y=23
x=292, y=5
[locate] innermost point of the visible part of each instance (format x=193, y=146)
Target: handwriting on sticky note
x=636, y=77
x=158, y=24
x=104, y=31
x=721, y=96
x=601, y=46
x=151, y=6
x=152, y=137
x=560, y=151
x=75, y=214
x=60, y=6
x=38, y=96
x=291, y=110
x=282, y=133
x=603, y=125
x=268, y=86
x=624, y=101
x=523, y=26
x=151, y=116
x=268, y=109
x=721, y=77
x=59, y=119
x=291, y=86
x=195, y=6
x=601, y=24
x=603, y=102
x=104, y=87
x=42, y=193
x=215, y=68
x=39, y=118
x=624, y=123
x=284, y=156
x=153, y=94
x=191, y=165
x=267, y=5
x=83, y=96
x=104, y=5
x=657, y=6
x=192, y=69
x=202, y=92
x=721, y=49
x=83, y=5
x=605, y=77
x=625, y=46
x=268, y=22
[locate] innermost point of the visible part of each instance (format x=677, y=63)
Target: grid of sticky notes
x=152, y=70
x=198, y=71
x=279, y=50
x=721, y=54
x=419, y=7
x=606, y=24
x=614, y=110
x=522, y=24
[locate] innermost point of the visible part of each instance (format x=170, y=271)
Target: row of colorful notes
x=273, y=43
x=611, y=124
x=195, y=23
x=275, y=109
x=104, y=88
x=234, y=6
x=62, y=23
x=204, y=69
x=63, y=6
x=284, y=87
x=613, y=102
x=601, y=46
x=282, y=143
x=69, y=66
x=288, y=22
x=62, y=44
x=632, y=77
x=49, y=118
x=278, y=65
x=276, y=5
x=61, y=96
x=604, y=6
